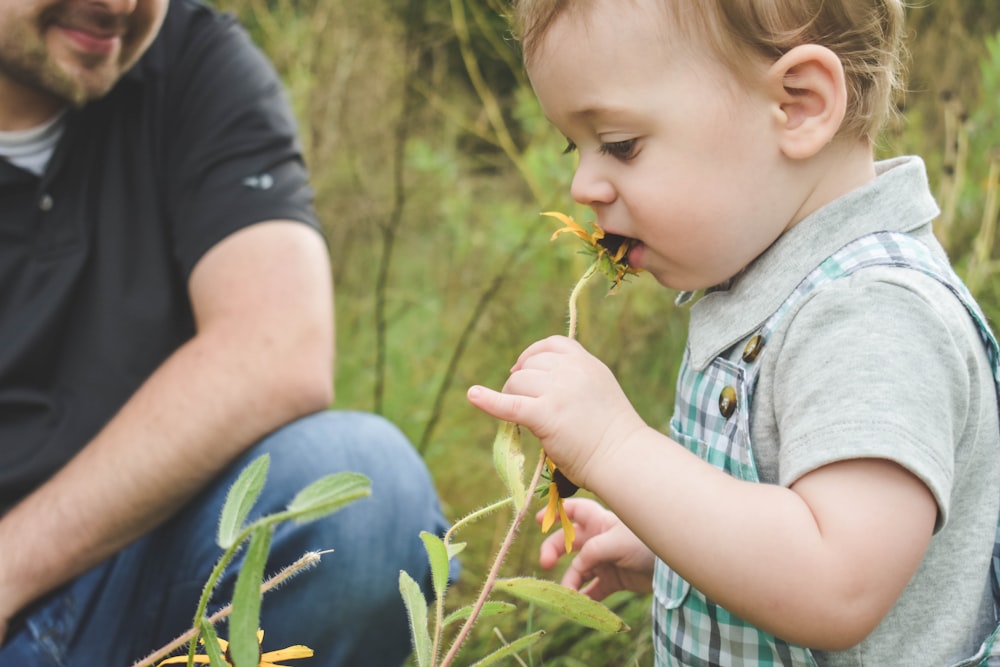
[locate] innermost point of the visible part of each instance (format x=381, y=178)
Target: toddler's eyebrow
x=600, y=111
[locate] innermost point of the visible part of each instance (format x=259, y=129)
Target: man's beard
x=26, y=59
x=31, y=66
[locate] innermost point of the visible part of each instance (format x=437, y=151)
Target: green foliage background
x=431, y=163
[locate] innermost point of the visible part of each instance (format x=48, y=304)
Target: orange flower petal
x=571, y=226
x=289, y=653
x=569, y=530
x=552, y=510
x=182, y=660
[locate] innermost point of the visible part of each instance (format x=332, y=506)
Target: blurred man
x=165, y=318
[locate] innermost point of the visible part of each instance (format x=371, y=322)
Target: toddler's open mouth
x=618, y=247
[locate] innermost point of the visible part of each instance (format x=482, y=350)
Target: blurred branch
x=956, y=151
x=980, y=264
x=411, y=61
x=453, y=114
x=502, y=139
x=485, y=298
x=500, y=43
x=489, y=100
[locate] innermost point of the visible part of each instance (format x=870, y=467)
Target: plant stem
x=475, y=516
x=439, y=602
x=306, y=561
x=518, y=519
x=575, y=294
x=494, y=570
x=220, y=567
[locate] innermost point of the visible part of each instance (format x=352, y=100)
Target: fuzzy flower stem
x=305, y=562
x=575, y=294
x=491, y=578
x=439, y=603
x=475, y=516
x=494, y=570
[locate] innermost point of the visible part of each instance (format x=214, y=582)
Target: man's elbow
x=309, y=384
x=313, y=392
x=304, y=377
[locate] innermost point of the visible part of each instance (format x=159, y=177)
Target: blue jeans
x=348, y=608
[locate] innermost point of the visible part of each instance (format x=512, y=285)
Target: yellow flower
x=266, y=659
x=610, y=249
x=556, y=506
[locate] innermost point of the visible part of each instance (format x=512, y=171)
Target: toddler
x=829, y=491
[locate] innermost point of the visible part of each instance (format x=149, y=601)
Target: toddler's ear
x=809, y=91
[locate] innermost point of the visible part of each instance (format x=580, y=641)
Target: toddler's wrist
x=618, y=444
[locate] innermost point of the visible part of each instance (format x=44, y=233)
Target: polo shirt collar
x=898, y=199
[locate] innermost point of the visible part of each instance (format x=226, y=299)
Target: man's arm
x=262, y=356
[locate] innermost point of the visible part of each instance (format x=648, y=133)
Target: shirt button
x=727, y=402
x=753, y=348
x=46, y=202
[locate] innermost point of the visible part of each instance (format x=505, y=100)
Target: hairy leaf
x=572, y=604
x=240, y=500
x=508, y=459
x=328, y=494
x=245, y=619
x=437, y=555
x=511, y=649
x=416, y=609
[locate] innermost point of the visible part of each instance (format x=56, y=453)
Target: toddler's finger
x=495, y=403
x=576, y=575
x=552, y=549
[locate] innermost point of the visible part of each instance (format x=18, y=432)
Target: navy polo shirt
x=194, y=143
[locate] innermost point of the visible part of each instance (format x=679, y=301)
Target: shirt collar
x=898, y=199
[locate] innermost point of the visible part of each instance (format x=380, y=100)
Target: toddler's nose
x=590, y=187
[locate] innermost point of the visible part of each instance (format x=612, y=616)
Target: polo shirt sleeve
x=875, y=369
x=233, y=157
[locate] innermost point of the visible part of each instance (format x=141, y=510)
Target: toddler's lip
x=634, y=257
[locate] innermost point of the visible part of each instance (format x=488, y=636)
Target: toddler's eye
x=623, y=150
x=570, y=147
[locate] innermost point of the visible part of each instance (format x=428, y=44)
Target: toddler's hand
x=569, y=399
x=610, y=557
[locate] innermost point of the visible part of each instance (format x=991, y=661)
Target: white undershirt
x=31, y=149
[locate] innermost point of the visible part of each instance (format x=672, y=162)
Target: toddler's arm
x=818, y=564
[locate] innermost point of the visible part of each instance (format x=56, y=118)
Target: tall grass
x=431, y=162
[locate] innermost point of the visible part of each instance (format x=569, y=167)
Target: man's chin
x=76, y=89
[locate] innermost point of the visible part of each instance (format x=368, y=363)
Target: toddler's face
x=673, y=150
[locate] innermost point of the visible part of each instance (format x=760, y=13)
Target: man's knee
x=339, y=441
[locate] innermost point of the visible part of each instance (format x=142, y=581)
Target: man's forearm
x=263, y=355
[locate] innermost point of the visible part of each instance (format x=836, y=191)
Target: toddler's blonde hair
x=867, y=35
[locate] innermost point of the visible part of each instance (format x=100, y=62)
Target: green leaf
x=572, y=604
x=490, y=608
x=240, y=500
x=245, y=619
x=510, y=649
x=437, y=555
x=508, y=459
x=328, y=494
x=456, y=548
x=212, y=649
x=416, y=609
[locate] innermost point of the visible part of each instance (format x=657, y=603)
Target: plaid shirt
x=711, y=418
